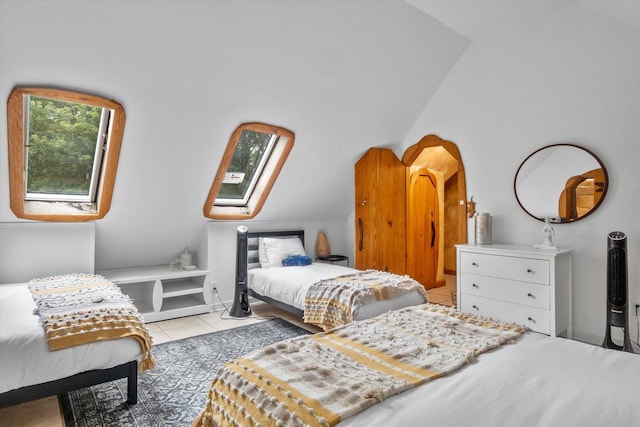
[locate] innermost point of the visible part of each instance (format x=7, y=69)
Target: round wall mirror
x=564, y=182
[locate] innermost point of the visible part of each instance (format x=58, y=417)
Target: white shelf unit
x=161, y=293
x=518, y=284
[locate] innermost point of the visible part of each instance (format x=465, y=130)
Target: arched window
x=63, y=153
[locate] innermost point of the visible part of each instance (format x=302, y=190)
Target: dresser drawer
x=506, y=267
x=523, y=293
x=534, y=318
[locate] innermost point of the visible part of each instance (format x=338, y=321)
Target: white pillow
x=262, y=255
x=272, y=250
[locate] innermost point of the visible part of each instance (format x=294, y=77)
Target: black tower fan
x=617, y=293
x=241, y=307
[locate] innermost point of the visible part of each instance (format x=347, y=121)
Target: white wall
x=29, y=250
x=569, y=75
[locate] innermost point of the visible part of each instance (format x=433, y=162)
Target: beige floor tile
x=159, y=336
x=443, y=294
x=438, y=299
x=220, y=323
x=179, y=333
x=38, y=413
x=180, y=323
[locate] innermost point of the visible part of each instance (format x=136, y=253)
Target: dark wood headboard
x=252, y=244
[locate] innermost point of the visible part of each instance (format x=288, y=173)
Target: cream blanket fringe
x=335, y=301
x=77, y=309
x=321, y=379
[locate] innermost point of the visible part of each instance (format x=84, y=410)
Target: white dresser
x=520, y=284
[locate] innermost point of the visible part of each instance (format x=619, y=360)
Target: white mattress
x=538, y=381
x=290, y=284
x=24, y=357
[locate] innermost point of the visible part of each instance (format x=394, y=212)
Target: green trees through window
x=254, y=156
x=61, y=147
x=246, y=165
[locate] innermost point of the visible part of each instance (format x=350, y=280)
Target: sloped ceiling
x=361, y=73
x=342, y=75
x=473, y=19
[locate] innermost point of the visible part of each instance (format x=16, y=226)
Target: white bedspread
x=24, y=357
x=539, y=381
x=290, y=284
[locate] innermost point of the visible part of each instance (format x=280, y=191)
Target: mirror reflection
x=564, y=182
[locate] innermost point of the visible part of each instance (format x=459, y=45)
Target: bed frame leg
x=132, y=383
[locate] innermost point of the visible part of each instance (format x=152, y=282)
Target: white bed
x=537, y=381
x=25, y=359
x=531, y=380
x=289, y=285
x=286, y=287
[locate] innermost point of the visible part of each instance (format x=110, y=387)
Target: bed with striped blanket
x=325, y=378
x=336, y=301
x=65, y=332
x=324, y=294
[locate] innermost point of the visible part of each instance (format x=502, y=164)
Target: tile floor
x=46, y=412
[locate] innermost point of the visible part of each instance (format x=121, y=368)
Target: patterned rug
x=174, y=393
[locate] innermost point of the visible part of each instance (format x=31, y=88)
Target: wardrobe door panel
x=423, y=225
x=380, y=211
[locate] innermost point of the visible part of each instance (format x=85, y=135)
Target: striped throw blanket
x=77, y=309
x=335, y=301
x=321, y=379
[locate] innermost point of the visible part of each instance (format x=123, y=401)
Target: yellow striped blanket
x=77, y=309
x=334, y=302
x=321, y=379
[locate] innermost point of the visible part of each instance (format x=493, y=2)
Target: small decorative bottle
x=185, y=257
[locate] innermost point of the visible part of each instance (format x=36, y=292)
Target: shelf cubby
x=161, y=293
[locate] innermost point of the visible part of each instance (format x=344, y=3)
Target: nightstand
x=333, y=259
x=531, y=287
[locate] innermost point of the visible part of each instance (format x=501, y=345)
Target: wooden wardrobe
x=396, y=217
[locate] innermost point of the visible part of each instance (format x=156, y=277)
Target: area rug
x=174, y=393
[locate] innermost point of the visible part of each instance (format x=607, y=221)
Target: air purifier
x=617, y=292
x=240, y=306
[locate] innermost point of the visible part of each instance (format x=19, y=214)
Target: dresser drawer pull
x=475, y=307
x=475, y=264
x=529, y=270
x=475, y=286
x=530, y=295
x=531, y=319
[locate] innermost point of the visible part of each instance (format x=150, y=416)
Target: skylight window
x=65, y=142
x=250, y=165
x=63, y=153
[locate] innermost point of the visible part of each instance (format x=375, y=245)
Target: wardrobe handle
x=433, y=233
x=361, y=234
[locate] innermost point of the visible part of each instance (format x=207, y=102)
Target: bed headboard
x=252, y=244
x=37, y=249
